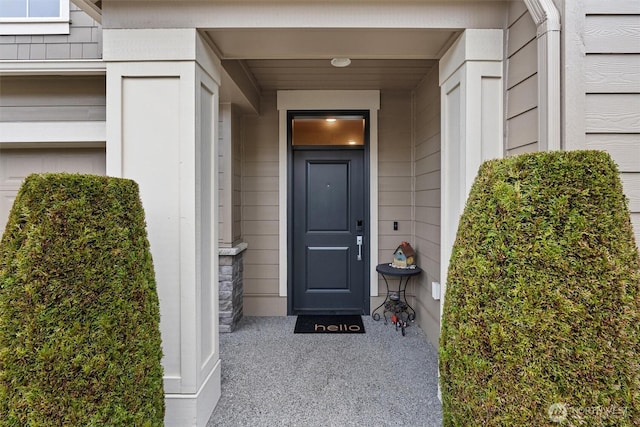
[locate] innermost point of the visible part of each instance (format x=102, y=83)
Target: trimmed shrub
x=541, y=321
x=79, y=317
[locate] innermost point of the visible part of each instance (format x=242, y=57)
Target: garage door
x=16, y=164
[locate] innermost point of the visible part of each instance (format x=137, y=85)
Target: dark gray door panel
x=328, y=202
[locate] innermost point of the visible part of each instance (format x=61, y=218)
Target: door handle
x=359, y=243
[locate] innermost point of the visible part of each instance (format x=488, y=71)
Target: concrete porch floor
x=273, y=377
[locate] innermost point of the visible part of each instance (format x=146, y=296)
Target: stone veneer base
x=230, y=286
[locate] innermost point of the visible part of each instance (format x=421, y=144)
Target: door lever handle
x=359, y=243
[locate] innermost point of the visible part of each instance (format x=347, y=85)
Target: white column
x=471, y=125
x=162, y=124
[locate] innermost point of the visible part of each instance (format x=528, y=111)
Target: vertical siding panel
x=229, y=175
x=515, y=11
x=623, y=148
x=619, y=7
x=611, y=33
x=631, y=186
x=236, y=198
x=635, y=222
x=612, y=90
x=522, y=130
x=521, y=98
x=522, y=64
x=224, y=143
x=521, y=33
x=394, y=174
x=426, y=138
x=612, y=113
x=258, y=203
x=612, y=73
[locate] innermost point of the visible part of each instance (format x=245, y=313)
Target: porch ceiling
x=297, y=59
x=362, y=74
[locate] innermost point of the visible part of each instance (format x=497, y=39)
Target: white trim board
x=52, y=132
x=329, y=100
x=84, y=67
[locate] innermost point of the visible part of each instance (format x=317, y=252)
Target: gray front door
x=328, y=269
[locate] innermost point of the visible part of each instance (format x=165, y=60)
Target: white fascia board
x=53, y=67
x=166, y=44
x=308, y=14
x=52, y=132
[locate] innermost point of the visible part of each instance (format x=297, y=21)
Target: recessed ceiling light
x=330, y=120
x=340, y=62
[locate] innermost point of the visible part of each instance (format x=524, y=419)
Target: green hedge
x=79, y=317
x=541, y=321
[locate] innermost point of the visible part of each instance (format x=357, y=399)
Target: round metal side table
x=395, y=302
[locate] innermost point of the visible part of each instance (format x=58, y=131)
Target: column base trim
x=194, y=410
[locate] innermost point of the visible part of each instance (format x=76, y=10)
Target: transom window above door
x=337, y=130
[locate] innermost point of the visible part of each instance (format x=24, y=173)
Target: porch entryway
x=429, y=129
x=379, y=378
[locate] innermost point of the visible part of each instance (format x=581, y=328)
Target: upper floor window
x=26, y=17
x=30, y=8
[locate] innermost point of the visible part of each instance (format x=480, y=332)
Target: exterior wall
x=52, y=98
x=229, y=231
x=260, y=211
x=426, y=137
x=49, y=124
x=83, y=42
x=17, y=163
x=612, y=90
x=395, y=183
x=521, y=82
x=236, y=176
x=229, y=185
x=260, y=194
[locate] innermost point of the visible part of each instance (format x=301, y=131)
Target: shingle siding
x=84, y=41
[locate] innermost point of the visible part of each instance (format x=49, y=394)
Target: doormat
x=329, y=324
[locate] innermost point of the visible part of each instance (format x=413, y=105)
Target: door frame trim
x=301, y=100
x=365, y=150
